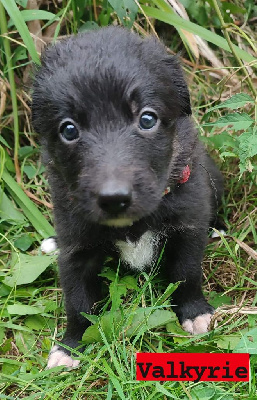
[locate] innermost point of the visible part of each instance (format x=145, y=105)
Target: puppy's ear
x=178, y=81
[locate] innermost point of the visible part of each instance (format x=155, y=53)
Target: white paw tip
x=58, y=357
x=48, y=245
x=198, y=325
x=216, y=235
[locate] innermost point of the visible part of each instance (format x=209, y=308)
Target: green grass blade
x=234, y=102
x=162, y=5
x=35, y=217
x=172, y=19
x=15, y=15
x=9, y=65
x=114, y=380
x=31, y=15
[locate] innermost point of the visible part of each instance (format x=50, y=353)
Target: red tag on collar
x=185, y=174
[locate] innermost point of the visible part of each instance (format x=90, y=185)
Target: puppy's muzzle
x=114, y=198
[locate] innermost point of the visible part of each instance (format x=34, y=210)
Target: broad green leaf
x=6, y=346
x=8, y=212
x=218, y=299
x=247, y=149
x=228, y=341
x=109, y=274
x=31, y=171
x=236, y=101
x=173, y=19
x=31, y=15
x=237, y=121
x=145, y=319
x=15, y=15
x=233, y=8
x=27, y=151
x=22, y=3
x=23, y=242
x=9, y=369
x=248, y=343
x=160, y=318
x=50, y=306
x=130, y=282
x=247, y=145
x=91, y=335
x=198, y=12
x=25, y=341
x=8, y=162
x=88, y=26
x=35, y=322
x=117, y=290
x=23, y=309
x=110, y=324
x=204, y=393
x=252, y=320
x=125, y=9
x=25, y=268
x=92, y=318
x=4, y=290
x=222, y=140
x=175, y=328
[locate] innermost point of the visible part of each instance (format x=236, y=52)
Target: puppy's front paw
x=198, y=325
x=58, y=357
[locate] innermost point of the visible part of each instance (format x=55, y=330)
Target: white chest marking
x=140, y=254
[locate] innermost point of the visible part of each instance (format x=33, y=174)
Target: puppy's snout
x=114, y=198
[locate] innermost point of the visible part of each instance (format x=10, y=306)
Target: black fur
x=102, y=80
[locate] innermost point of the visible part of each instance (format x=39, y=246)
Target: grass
x=136, y=314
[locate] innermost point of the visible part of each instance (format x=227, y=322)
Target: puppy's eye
x=69, y=131
x=148, y=120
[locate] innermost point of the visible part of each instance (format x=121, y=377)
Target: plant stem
x=8, y=56
x=227, y=37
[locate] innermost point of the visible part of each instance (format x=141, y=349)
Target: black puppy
x=126, y=170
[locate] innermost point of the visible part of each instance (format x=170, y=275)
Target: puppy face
x=109, y=107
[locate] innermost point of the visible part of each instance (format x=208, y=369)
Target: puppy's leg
x=82, y=289
x=184, y=253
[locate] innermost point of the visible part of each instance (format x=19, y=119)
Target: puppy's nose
x=114, y=200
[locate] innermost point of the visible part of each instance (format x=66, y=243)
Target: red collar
x=184, y=178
